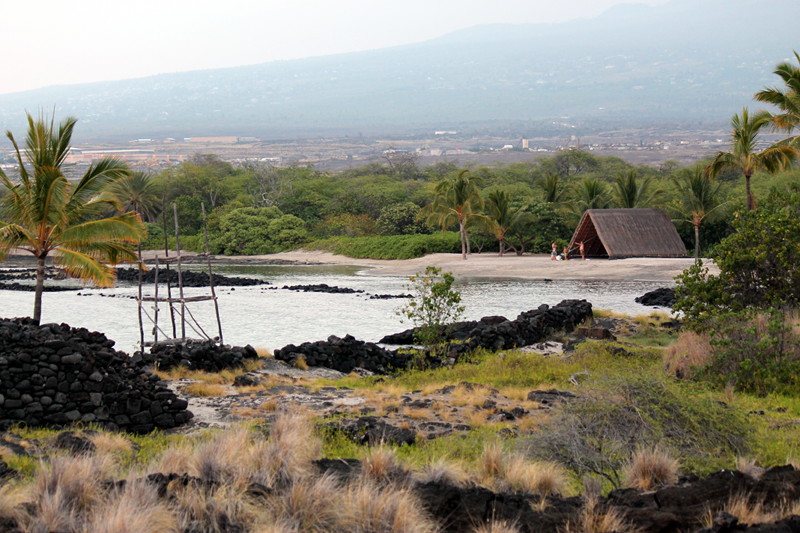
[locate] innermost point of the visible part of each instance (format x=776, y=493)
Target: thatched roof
x=618, y=233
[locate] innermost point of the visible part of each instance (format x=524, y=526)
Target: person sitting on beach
x=565, y=254
x=554, y=252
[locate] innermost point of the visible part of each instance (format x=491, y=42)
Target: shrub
x=598, y=432
x=757, y=263
x=691, y=351
x=758, y=353
x=434, y=306
x=390, y=247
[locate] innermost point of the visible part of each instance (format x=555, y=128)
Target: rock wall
x=196, y=355
x=493, y=333
x=53, y=375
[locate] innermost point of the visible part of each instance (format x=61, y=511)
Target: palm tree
x=743, y=154
x=591, y=193
x=699, y=199
x=553, y=189
x=456, y=200
x=500, y=216
x=137, y=192
x=788, y=100
x=45, y=213
x=629, y=192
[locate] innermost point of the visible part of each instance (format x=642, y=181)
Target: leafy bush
x=258, y=230
x=757, y=263
x=401, y=219
x=599, y=432
x=391, y=246
x=435, y=306
x=758, y=353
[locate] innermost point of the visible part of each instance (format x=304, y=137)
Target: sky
x=62, y=42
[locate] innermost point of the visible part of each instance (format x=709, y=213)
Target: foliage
x=538, y=226
x=630, y=191
x=457, y=200
x=258, y=230
x=401, y=219
x=599, y=432
x=435, y=305
x=744, y=155
x=758, y=264
x=787, y=100
x=45, y=213
x=137, y=192
x=346, y=224
x=699, y=199
x=390, y=246
x=757, y=353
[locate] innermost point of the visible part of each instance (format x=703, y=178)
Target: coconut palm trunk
x=37, y=295
x=697, y=240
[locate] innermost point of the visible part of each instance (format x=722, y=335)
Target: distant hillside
x=686, y=62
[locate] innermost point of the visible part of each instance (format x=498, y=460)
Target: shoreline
x=527, y=267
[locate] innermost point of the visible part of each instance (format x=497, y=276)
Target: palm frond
x=84, y=266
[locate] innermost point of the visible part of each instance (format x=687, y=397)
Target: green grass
x=390, y=246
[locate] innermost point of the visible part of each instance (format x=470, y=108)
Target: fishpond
x=271, y=317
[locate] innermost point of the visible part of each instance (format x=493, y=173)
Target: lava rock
x=663, y=297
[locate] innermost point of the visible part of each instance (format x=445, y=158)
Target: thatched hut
x=618, y=233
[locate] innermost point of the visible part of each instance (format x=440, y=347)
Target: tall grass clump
x=650, y=468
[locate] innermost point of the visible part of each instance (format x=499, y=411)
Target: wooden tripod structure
x=181, y=300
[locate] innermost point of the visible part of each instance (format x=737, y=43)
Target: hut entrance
x=619, y=233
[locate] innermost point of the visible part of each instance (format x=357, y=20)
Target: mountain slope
x=684, y=61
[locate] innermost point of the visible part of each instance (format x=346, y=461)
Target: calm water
x=274, y=318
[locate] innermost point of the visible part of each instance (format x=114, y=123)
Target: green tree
x=457, y=200
x=631, y=192
x=258, y=230
x=591, y=193
x=698, y=199
x=137, y=192
x=45, y=213
x=744, y=154
x=539, y=225
x=435, y=305
x=501, y=216
x=553, y=188
x=401, y=219
x=787, y=100
x=757, y=264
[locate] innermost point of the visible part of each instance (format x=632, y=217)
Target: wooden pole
x=169, y=278
x=155, y=307
x=210, y=274
x=141, y=325
x=180, y=270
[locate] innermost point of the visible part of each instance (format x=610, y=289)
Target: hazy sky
x=55, y=42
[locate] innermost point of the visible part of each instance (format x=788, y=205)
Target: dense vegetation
x=258, y=208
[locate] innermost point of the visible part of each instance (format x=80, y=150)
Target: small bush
x=598, y=432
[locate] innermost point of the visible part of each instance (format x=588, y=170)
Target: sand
x=509, y=266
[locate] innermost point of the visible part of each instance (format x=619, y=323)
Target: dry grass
x=372, y=508
x=691, y=350
x=416, y=413
x=442, y=470
x=649, y=469
x=500, y=526
x=300, y=363
x=492, y=462
x=263, y=352
x=205, y=389
x=747, y=465
x=381, y=465
x=542, y=478
x=135, y=509
x=751, y=512
x=310, y=504
x=106, y=442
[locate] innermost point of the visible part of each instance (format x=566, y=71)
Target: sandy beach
x=508, y=266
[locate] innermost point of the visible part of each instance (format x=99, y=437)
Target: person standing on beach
x=554, y=252
x=582, y=250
